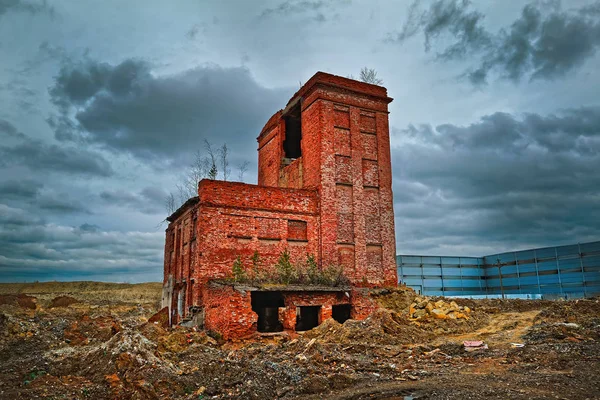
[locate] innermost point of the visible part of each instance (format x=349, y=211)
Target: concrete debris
x=473, y=345
x=424, y=308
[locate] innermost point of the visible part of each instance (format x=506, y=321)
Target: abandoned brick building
x=324, y=188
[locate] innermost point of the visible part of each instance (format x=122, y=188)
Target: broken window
x=292, y=148
x=296, y=230
x=341, y=312
x=266, y=305
x=307, y=317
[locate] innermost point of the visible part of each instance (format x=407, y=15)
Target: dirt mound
x=123, y=363
x=98, y=293
x=492, y=306
x=19, y=300
x=88, y=330
x=578, y=311
x=161, y=318
x=62, y=301
x=382, y=327
x=395, y=299
x=572, y=321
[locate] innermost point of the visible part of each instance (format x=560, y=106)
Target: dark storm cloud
x=32, y=195
x=126, y=108
x=545, y=42
x=31, y=248
x=37, y=155
x=9, y=130
x=149, y=200
x=61, y=204
x=31, y=7
x=516, y=181
x=442, y=17
x=19, y=190
x=315, y=8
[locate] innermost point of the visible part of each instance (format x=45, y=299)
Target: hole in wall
x=266, y=305
x=341, y=312
x=307, y=317
x=293, y=133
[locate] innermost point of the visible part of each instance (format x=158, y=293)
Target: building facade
x=324, y=188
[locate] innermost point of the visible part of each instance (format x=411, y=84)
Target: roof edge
x=189, y=202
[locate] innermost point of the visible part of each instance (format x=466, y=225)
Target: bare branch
x=242, y=169
x=170, y=203
x=369, y=75
x=224, y=161
x=213, y=171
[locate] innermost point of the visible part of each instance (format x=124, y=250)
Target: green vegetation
x=239, y=273
x=287, y=273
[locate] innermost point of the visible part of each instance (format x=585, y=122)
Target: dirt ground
x=89, y=340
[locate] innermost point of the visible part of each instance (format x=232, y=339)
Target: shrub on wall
x=287, y=273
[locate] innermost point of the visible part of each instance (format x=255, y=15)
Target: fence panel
x=570, y=271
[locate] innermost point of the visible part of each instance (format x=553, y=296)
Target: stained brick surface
x=334, y=201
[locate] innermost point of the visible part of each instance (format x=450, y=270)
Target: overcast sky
x=495, y=124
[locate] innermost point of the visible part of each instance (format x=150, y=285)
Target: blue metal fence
x=565, y=271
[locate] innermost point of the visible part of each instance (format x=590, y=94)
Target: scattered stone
x=423, y=308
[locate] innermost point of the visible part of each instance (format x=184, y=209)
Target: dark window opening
x=341, y=312
x=293, y=133
x=266, y=305
x=307, y=317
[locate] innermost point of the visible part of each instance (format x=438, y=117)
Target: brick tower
x=324, y=189
x=333, y=136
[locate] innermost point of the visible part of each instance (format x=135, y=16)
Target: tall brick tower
x=324, y=189
x=333, y=136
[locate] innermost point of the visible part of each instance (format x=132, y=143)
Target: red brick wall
x=362, y=304
x=290, y=176
x=346, y=202
x=228, y=311
x=236, y=219
x=346, y=155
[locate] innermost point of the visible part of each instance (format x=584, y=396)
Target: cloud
x=315, y=8
x=31, y=249
x=61, y=204
x=11, y=217
x=149, y=200
x=9, y=130
x=500, y=183
x=31, y=7
x=443, y=16
x=30, y=193
x=125, y=107
x=37, y=155
x=545, y=42
x=19, y=190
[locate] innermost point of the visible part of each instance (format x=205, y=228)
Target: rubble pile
x=424, y=308
x=381, y=327
x=403, y=350
x=62, y=301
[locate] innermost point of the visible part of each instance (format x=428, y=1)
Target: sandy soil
x=89, y=340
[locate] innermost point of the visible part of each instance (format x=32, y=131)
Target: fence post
x=483, y=268
x=422, y=278
x=518, y=274
x=559, y=273
x=537, y=272
x=582, y=269
x=442, y=276
x=401, y=277
x=462, y=289
x=500, y=276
